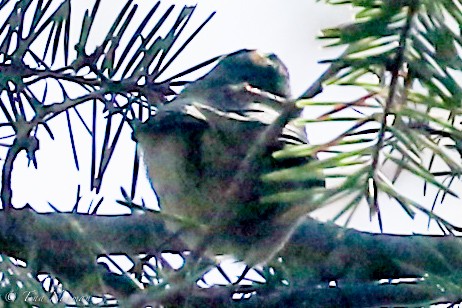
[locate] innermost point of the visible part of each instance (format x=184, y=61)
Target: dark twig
x=274, y=130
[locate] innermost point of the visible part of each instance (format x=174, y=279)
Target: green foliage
x=404, y=56
x=36, y=50
x=127, y=86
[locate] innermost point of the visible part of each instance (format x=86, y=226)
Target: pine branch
x=397, y=67
x=73, y=242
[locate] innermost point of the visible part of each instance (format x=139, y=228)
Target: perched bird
x=195, y=147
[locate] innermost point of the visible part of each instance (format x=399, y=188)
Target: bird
x=196, y=146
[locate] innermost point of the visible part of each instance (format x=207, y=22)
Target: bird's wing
x=177, y=115
x=291, y=133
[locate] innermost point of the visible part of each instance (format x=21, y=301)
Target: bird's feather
x=196, y=146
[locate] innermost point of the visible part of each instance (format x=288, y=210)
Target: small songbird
x=195, y=147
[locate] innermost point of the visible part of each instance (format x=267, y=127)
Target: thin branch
x=273, y=131
x=388, y=104
x=6, y=192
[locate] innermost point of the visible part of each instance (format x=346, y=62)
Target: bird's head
x=262, y=71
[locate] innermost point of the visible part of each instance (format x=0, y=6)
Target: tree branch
x=67, y=245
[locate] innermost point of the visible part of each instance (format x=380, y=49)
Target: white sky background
x=287, y=28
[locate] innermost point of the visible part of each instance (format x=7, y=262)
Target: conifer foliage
x=404, y=56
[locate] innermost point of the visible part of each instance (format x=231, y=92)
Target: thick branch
x=67, y=245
